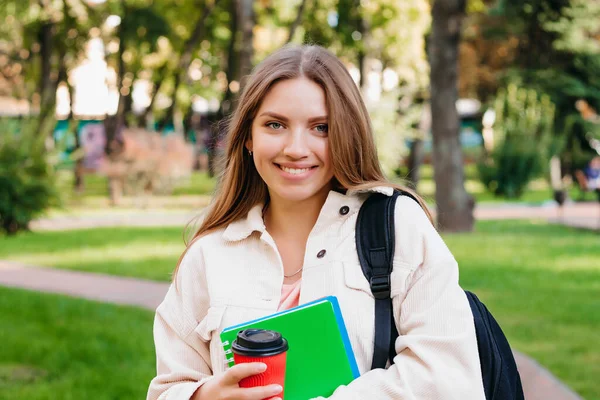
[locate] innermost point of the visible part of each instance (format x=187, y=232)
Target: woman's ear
x=249, y=145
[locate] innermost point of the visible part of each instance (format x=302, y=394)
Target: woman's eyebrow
x=274, y=115
x=285, y=119
x=315, y=119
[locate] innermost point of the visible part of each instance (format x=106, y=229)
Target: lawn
x=56, y=347
x=541, y=281
x=137, y=252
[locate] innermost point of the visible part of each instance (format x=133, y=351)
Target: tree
x=454, y=204
x=557, y=53
x=246, y=23
x=297, y=20
x=185, y=59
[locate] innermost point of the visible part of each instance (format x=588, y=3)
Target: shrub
x=27, y=177
x=149, y=163
x=522, y=141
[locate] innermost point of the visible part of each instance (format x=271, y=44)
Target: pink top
x=290, y=295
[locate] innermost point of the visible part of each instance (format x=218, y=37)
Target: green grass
x=55, y=347
x=136, y=252
x=541, y=281
x=97, y=185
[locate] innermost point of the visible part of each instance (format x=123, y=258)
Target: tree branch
x=296, y=22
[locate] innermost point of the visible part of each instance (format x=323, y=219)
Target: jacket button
x=344, y=210
x=321, y=254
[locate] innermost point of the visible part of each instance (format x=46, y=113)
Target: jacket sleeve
x=182, y=358
x=437, y=356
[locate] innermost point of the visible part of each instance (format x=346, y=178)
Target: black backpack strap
x=375, y=247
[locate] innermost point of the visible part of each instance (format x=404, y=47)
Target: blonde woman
x=300, y=161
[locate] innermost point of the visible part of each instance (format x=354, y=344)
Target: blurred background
x=111, y=132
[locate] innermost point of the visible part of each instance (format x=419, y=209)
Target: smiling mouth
x=295, y=171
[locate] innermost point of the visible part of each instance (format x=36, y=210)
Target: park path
x=538, y=383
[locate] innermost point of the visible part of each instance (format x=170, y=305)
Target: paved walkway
x=538, y=383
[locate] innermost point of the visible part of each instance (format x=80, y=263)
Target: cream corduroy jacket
x=235, y=274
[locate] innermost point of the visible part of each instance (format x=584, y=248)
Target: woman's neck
x=293, y=220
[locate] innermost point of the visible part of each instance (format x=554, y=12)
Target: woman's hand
x=225, y=386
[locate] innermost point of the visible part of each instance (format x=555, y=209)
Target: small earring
x=250, y=152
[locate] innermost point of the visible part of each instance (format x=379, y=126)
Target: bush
x=149, y=163
x=27, y=178
x=523, y=137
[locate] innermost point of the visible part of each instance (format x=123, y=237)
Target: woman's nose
x=296, y=146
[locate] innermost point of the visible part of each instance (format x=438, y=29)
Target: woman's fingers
x=241, y=371
x=258, y=393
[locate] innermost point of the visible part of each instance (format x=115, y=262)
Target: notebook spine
x=228, y=353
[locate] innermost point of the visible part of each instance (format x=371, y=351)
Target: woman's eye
x=321, y=128
x=274, y=125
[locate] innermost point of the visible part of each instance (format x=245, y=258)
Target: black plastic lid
x=259, y=343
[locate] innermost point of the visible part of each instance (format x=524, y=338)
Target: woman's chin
x=298, y=195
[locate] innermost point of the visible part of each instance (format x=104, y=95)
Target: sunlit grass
x=132, y=252
x=541, y=282
x=137, y=252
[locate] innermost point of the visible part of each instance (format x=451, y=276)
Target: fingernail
x=261, y=367
x=276, y=388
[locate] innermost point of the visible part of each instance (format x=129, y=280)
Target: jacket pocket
x=210, y=323
x=354, y=277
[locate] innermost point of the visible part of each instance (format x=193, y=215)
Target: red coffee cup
x=259, y=345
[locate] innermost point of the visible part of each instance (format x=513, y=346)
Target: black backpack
x=375, y=248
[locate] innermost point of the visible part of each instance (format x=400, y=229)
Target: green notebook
x=319, y=358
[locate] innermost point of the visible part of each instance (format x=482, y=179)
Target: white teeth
x=294, y=171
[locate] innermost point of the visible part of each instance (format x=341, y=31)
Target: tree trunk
x=296, y=22
x=415, y=160
x=246, y=24
x=144, y=117
x=454, y=204
x=232, y=69
x=47, y=96
x=417, y=151
x=231, y=74
x=362, y=81
x=114, y=125
x=186, y=59
x=361, y=27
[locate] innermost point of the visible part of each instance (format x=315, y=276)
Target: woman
x=300, y=161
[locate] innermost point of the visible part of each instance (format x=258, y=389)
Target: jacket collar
x=253, y=222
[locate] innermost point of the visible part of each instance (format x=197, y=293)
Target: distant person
x=300, y=162
x=589, y=178
x=592, y=173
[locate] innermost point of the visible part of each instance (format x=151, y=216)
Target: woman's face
x=290, y=144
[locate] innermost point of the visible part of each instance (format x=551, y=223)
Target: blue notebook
x=320, y=357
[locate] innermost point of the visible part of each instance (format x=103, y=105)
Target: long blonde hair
x=352, y=146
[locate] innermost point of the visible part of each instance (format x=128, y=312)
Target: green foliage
x=27, y=178
x=562, y=61
x=579, y=135
x=523, y=136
